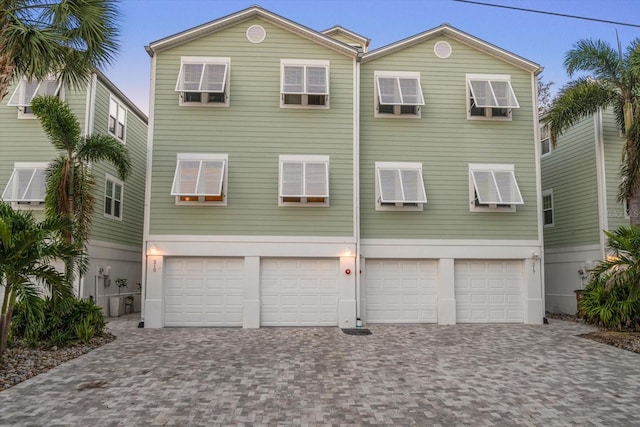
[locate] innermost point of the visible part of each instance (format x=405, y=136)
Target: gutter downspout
x=147, y=187
x=601, y=180
x=88, y=129
x=356, y=179
x=538, y=162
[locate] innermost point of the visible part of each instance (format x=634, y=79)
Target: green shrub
x=610, y=307
x=84, y=331
x=44, y=322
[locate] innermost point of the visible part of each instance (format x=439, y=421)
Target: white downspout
x=538, y=155
x=356, y=178
x=147, y=186
x=603, y=220
x=88, y=129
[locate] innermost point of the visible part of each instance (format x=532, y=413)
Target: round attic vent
x=442, y=49
x=256, y=34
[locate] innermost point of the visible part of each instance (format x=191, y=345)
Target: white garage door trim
x=203, y=291
x=401, y=291
x=299, y=291
x=489, y=291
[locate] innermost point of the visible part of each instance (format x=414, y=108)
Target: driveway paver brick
x=480, y=375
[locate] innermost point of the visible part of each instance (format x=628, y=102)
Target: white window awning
x=492, y=93
x=27, y=90
x=202, y=77
x=198, y=176
x=398, y=90
x=494, y=186
x=304, y=177
x=401, y=183
x=305, y=79
x=28, y=183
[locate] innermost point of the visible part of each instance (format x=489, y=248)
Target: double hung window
x=490, y=97
x=304, y=180
x=399, y=185
x=398, y=94
x=304, y=83
x=200, y=178
x=27, y=185
x=493, y=187
x=203, y=81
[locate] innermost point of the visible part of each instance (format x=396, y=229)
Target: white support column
x=251, y=297
x=154, y=312
x=534, y=308
x=347, y=293
x=446, y=292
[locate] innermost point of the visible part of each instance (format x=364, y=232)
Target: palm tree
x=612, y=80
x=27, y=251
x=65, y=38
x=70, y=183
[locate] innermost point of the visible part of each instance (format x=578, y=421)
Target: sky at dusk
x=541, y=38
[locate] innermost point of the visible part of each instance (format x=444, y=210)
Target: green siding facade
x=23, y=140
x=127, y=231
x=570, y=171
x=446, y=142
x=253, y=131
x=613, y=145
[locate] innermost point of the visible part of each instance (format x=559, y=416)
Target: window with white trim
x=493, y=187
x=397, y=94
x=304, y=83
x=117, y=119
x=545, y=141
x=29, y=89
x=399, y=186
x=304, y=181
x=200, y=179
x=27, y=186
x=490, y=97
x=204, y=81
x=548, y=214
x=113, y=197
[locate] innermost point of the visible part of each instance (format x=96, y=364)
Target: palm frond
x=58, y=122
x=69, y=38
x=576, y=100
x=595, y=57
x=97, y=148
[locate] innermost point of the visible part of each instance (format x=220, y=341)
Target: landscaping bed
x=626, y=340
x=19, y=363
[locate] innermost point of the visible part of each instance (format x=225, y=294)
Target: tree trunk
x=633, y=204
x=5, y=322
x=6, y=73
x=5, y=318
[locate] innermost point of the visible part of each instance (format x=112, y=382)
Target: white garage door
x=401, y=291
x=299, y=292
x=489, y=291
x=204, y=291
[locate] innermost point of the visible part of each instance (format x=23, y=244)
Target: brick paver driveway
x=399, y=375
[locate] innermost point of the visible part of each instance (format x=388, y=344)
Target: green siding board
x=446, y=142
x=253, y=131
x=570, y=171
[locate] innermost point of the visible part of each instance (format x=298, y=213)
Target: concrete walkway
x=400, y=375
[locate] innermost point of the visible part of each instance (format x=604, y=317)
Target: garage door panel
x=204, y=291
x=489, y=291
x=299, y=292
x=401, y=291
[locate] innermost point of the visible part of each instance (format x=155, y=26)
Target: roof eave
x=246, y=14
x=462, y=37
